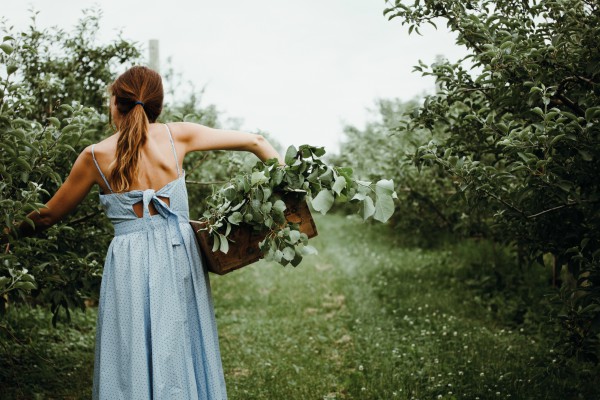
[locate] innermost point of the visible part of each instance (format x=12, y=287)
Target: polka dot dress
x=156, y=334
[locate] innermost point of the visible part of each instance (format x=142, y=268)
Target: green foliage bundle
x=520, y=137
x=255, y=198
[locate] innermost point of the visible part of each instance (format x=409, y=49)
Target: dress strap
x=99, y=170
x=174, y=152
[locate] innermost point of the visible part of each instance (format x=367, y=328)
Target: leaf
x=384, y=208
x=266, y=193
x=296, y=260
x=323, y=201
x=591, y=113
x=24, y=285
x=538, y=111
x=11, y=68
x=258, y=177
x=319, y=151
x=279, y=206
x=216, y=243
x=384, y=187
x=294, y=236
x=3, y=281
x=235, y=218
x=224, y=247
x=309, y=250
x=290, y=155
x=368, y=208
x=339, y=185
x=54, y=121
x=359, y=196
x=289, y=253
x=7, y=48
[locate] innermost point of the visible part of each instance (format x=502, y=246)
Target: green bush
x=518, y=135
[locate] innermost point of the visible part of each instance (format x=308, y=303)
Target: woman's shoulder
x=101, y=148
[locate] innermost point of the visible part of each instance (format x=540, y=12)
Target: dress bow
x=149, y=195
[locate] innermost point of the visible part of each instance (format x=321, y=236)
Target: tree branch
x=205, y=183
x=551, y=209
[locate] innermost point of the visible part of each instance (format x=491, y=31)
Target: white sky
x=296, y=70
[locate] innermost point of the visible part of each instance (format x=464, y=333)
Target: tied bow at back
x=149, y=195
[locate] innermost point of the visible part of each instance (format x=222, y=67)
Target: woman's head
x=136, y=101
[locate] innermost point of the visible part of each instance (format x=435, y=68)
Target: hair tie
x=139, y=102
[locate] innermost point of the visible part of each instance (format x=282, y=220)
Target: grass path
x=366, y=319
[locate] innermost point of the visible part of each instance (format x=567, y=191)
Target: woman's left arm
x=72, y=192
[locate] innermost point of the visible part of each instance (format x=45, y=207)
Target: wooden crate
x=243, y=249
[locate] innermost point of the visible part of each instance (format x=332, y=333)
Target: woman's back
x=157, y=166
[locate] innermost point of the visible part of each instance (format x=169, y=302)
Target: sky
x=297, y=70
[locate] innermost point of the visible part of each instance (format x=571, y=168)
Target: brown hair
x=139, y=99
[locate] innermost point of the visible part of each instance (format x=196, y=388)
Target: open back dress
x=156, y=334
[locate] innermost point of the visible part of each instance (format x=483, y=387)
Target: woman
x=156, y=333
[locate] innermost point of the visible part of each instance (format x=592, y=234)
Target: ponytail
x=133, y=132
x=138, y=96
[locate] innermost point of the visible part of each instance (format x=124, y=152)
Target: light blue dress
x=156, y=335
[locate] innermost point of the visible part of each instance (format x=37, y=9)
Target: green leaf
x=319, y=151
x=289, y=253
x=7, y=48
x=235, y=218
x=11, y=68
x=294, y=236
x=384, y=208
x=297, y=260
x=258, y=177
x=279, y=206
x=290, y=155
x=591, y=113
x=368, y=208
x=309, y=250
x=323, y=201
x=24, y=285
x=224, y=247
x=339, y=185
x=359, y=196
x=216, y=243
x=384, y=187
x=4, y=281
x=54, y=121
x=266, y=207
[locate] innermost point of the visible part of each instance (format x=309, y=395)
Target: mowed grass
x=365, y=319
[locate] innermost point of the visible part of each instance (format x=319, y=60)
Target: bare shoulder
x=104, y=148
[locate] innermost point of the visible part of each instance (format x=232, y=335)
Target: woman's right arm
x=196, y=137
